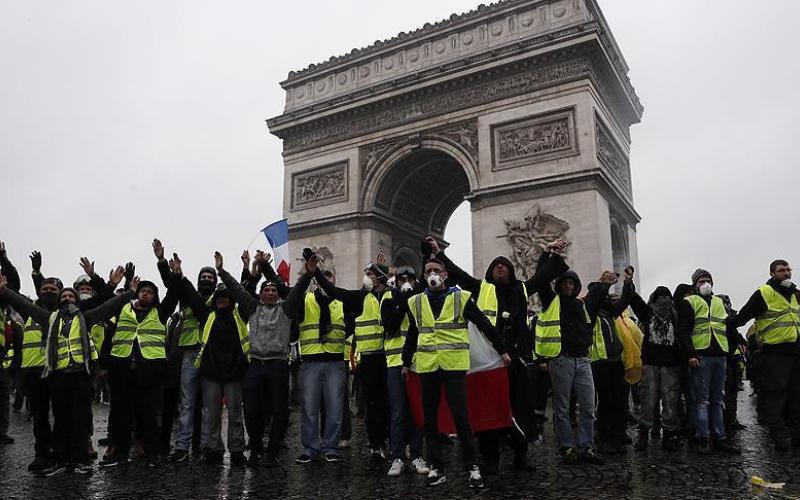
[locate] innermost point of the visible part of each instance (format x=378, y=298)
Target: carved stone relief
x=610, y=155
x=320, y=186
x=535, y=139
x=528, y=234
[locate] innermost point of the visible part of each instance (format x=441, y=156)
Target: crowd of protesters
x=171, y=358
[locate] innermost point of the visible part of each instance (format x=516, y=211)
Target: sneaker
x=569, y=456
x=238, y=459
x=475, y=478
x=52, y=470
x=332, y=457
x=253, y=459
x=420, y=466
x=726, y=446
x=702, y=447
x=6, y=439
x=396, y=469
x=344, y=443
x=112, y=460
x=375, y=460
x=83, y=469
x=152, y=462
x=671, y=442
x=179, y=456
x=303, y=459
x=590, y=456
x=435, y=478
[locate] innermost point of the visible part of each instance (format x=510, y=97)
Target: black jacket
x=756, y=306
x=659, y=348
x=606, y=315
x=686, y=327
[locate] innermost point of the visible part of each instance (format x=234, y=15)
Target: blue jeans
x=708, y=382
x=568, y=374
x=321, y=382
x=402, y=429
x=190, y=388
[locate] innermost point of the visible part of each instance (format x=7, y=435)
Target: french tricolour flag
x=277, y=235
x=488, y=397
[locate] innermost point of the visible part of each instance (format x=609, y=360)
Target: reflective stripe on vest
x=547, y=334
x=780, y=323
x=32, y=347
x=98, y=334
x=71, y=347
x=443, y=342
x=393, y=346
x=190, y=327
x=369, y=332
x=151, y=334
x=487, y=300
x=597, y=351
x=708, y=321
x=332, y=342
x=241, y=327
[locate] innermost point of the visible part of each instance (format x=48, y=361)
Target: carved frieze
x=320, y=186
x=527, y=236
x=465, y=134
x=540, y=138
x=610, y=154
x=469, y=93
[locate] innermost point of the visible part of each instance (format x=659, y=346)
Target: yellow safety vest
x=393, y=346
x=98, y=334
x=190, y=327
x=487, y=300
x=32, y=345
x=70, y=347
x=332, y=341
x=708, y=321
x=369, y=332
x=151, y=334
x=597, y=351
x=547, y=335
x=780, y=323
x=443, y=342
x=241, y=326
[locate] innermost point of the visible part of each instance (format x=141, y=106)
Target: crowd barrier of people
x=252, y=347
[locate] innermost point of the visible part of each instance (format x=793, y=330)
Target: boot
x=671, y=441
x=642, y=440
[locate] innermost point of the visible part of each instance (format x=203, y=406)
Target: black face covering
x=206, y=288
x=49, y=300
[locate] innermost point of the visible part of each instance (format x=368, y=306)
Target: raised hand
x=88, y=266
x=130, y=271
x=255, y=270
x=116, y=275
x=2, y=249
x=246, y=259
x=218, y=263
x=158, y=249
x=311, y=264
x=133, y=286
x=175, y=264
x=609, y=277
x=629, y=273
x=381, y=257
x=433, y=244
x=36, y=261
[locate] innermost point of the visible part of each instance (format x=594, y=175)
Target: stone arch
x=619, y=246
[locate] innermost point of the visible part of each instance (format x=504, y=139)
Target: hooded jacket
x=511, y=298
x=660, y=346
x=223, y=359
x=576, y=332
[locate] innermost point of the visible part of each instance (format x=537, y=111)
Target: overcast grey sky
x=121, y=121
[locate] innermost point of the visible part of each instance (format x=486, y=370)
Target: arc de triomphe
x=522, y=107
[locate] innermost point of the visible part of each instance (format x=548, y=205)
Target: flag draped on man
x=277, y=235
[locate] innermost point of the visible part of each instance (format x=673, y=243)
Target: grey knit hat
x=699, y=274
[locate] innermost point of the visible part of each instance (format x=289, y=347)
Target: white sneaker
x=434, y=478
x=475, y=478
x=344, y=443
x=420, y=466
x=397, y=468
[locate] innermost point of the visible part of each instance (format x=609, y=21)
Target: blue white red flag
x=277, y=235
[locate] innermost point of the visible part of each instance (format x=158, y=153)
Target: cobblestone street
x=652, y=474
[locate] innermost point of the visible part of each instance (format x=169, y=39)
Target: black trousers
x=170, y=396
x=37, y=390
x=612, y=399
x=71, y=399
x=780, y=385
x=454, y=384
x=733, y=378
x=373, y=375
x=135, y=406
x=266, y=388
x=347, y=413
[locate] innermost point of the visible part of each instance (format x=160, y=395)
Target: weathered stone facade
x=522, y=107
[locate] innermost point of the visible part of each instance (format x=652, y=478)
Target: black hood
x=681, y=291
x=152, y=285
x=660, y=291
x=207, y=269
x=74, y=292
x=505, y=262
x=569, y=275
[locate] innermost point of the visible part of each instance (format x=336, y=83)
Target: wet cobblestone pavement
x=651, y=474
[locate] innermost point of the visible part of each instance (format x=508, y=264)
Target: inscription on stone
x=321, y=186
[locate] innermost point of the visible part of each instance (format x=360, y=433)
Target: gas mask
x=406, y=287
x=787, y=283
x=434, y=280
x=85, y=296
x=705, y=289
